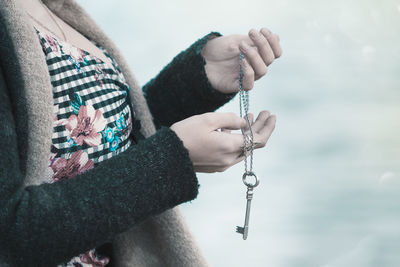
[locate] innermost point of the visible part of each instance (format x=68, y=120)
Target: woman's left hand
x=221, y=54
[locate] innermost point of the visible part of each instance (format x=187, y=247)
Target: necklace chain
x=55, y=21
x=244, y=108
x=244, y=104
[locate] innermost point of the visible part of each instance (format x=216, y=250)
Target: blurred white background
x=330, y=175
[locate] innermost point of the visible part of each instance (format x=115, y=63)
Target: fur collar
x=164, y=240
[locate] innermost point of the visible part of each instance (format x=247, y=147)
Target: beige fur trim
x=164, y=240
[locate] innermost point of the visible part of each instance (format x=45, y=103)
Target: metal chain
x=244, y=104
x=244, y=108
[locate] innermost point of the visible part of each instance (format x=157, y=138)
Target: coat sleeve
x=182, y=88
x=46, y=224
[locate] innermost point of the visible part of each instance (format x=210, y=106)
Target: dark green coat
x=127, y=201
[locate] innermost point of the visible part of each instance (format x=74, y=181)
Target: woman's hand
x=211, y=145
x=221, y=54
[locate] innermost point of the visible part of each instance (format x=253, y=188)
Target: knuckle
x=249, y=73
x=265, y=113
x=247, y=49
x=263, y=71
x=270, y=58
x=252, y=51
x=244, y=47
x=249, y=84
x=251, y=116
x=253, y=32
x=232, y=47
x=257, y=37
x=263, y=41
x=265, y=31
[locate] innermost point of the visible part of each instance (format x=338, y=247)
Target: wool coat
x=129, y=201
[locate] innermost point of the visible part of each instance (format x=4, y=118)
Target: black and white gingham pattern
x=98, y=84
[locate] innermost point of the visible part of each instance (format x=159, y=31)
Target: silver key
x=249, y=195
x=245, y=230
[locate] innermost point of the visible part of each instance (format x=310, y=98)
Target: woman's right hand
x=211, y=145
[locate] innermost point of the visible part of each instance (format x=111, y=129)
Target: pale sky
x=330, y=175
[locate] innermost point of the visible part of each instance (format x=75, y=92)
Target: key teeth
x=239, y=230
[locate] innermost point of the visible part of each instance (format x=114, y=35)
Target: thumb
x=226, y=120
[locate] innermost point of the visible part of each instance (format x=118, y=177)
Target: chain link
x=244, y=104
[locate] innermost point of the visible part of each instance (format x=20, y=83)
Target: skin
x=221, y=54
x=214, y=150
x=38, y=11
x=211, y=144
x=208, y=138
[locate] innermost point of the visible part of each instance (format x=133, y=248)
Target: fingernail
x=266, y=32
x=253, y=34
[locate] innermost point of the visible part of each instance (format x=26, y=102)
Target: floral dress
x=92, y=116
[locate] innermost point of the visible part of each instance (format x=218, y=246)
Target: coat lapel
x=163, y=240
x=80, y=20
x=29, y=85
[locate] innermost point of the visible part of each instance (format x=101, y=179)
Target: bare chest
x=74, y=38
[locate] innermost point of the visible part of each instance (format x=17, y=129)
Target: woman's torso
x=92, y=114
x=43, y=18
x=93, y=118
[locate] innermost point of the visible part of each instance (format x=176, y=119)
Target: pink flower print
x=85, y=127
x=56, y=109
x=99, y=75
x=52, y=158
x=43, y=46
x=90, y=258
x=69, y=168
x=129, y=122
x=56, y=121
x=76, y=53
x=52, y=42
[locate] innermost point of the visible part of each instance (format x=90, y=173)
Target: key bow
x=247, y=183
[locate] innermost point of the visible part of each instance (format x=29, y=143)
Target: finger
x=225, y=130
x=230, y=143
x=263, y=46
x=260, y=121
x=267, y=130
x=251, y=119
x=248, y=75
x=233, y=143
x=237, y=158
x=273, y=40
x=254, y=58
x=217, y=120
x=205, y=169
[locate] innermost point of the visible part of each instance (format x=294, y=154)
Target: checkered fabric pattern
x=79, y=78
x=93, y=116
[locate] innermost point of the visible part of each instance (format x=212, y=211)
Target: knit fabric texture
x=92, y=117
x=46, y=224
x=173, y=96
